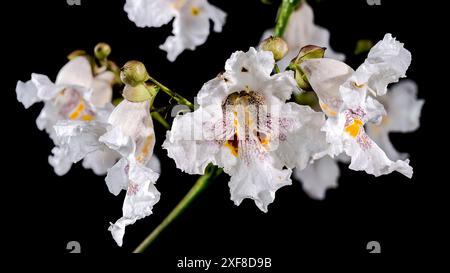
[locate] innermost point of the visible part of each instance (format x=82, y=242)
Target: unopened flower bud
x=133, y=73
x=102, y=51
x=309, y=52
x=276, y=45
x=306, y=53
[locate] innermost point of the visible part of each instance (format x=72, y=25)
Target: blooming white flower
x=76, y=95
x=191, y=24
x=343, y=96
x=130, y=133
x=402, y=116
x=244, y=125
x=301, y=31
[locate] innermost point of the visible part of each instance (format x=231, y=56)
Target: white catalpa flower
x=130, y=132
x=76, y=95
x=344, y=95
x=128, y=135
x=191, y=24
x=244, y=125
x=403, y=116
x=301, y=31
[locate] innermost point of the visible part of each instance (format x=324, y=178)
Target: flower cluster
x=249, y=121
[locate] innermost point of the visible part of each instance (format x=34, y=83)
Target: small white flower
x=76, y=95
x=245, y=126
x=191, y=24
x=403, y=116
x=130, y=132
x=344, y=97
x=301, y=31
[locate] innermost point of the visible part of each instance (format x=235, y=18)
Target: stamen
x=242, y=111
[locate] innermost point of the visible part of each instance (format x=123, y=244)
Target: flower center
x=195, y=11
x=72, y=106
x=246, y=122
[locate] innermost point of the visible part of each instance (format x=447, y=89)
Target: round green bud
x=276, y=45
x=133, y=73
x=102, y=51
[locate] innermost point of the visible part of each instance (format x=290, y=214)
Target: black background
x=45, y=211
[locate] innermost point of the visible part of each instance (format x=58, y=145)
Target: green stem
x=174, y=95
x=157, y=116
x=211, y=173
x=285, y=11
x=276, y=69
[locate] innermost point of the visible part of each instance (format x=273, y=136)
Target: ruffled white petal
x=101, y=89
x=214, y=91
x=325, y=77
x=79, y=138
x=187, y=143
x=100, y=161
x=280, y=87
x=117, y=177
x=318, y=177
x=77, y=72
x=365, y=154
x=301, y=135
x=141, y=196
x=76, y=140
x=154, y=13
x=27, y=93
x=258, y=181
x=47, y=118
x=46, y=89
x=58, y=160
x=386, y=63
x=245, y=71
x=251, y=71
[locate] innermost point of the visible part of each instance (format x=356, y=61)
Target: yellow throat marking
x=354, y=128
